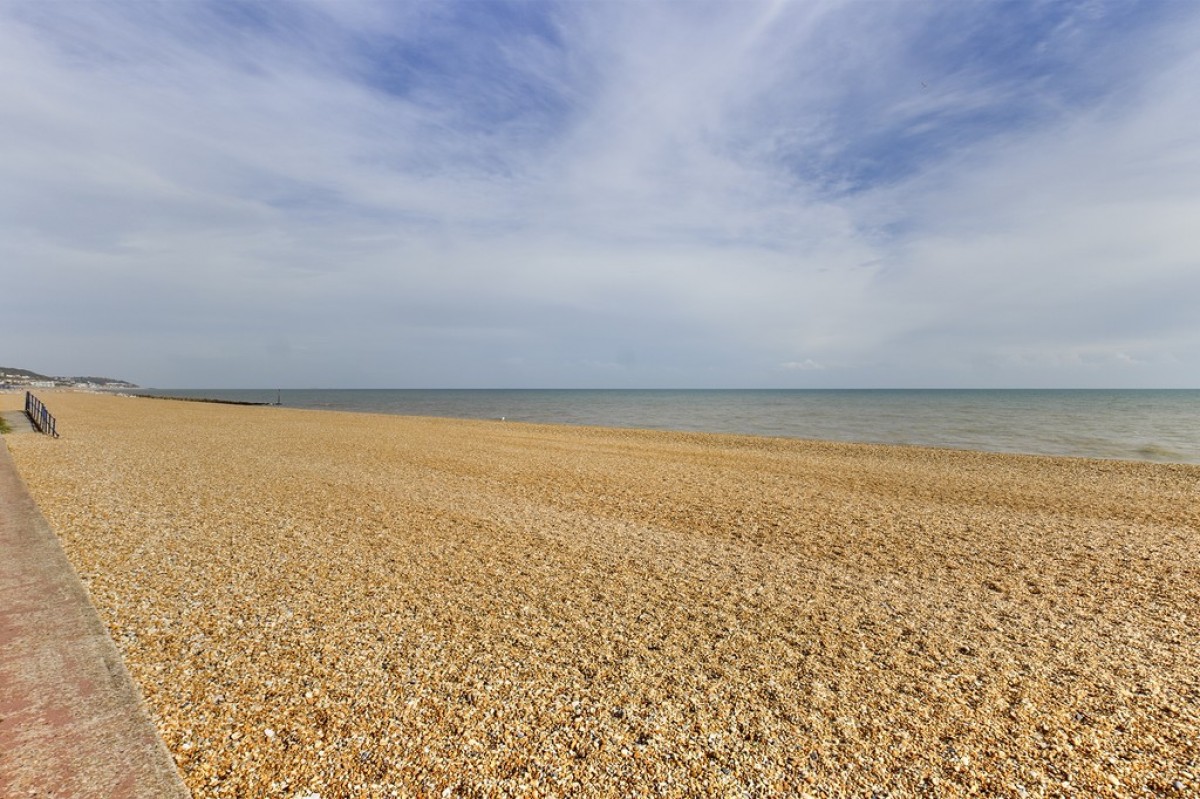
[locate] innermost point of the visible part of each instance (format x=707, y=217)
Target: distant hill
x=8, y=371
x=12, y=377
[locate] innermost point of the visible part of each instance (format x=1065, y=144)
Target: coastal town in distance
x=13, y=378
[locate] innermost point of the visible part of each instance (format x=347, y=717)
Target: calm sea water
x=1138, y=425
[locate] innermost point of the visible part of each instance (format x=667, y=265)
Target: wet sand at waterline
x=345, y=605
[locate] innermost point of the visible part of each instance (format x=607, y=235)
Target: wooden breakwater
x=203, y=399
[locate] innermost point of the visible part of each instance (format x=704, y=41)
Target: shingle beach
x=345, y=605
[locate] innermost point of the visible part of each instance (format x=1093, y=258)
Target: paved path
x=18, y=422
x=72, y=724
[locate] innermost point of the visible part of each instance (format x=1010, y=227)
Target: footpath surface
x=72, y=723
x=18, y=422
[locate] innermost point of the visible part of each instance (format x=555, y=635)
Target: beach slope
x=357, y=605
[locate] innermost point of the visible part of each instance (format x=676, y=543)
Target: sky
x=602, y=194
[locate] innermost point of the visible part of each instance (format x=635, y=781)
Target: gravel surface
x=345, y=605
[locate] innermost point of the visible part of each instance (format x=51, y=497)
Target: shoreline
x=413, y=605
x=1151, y=426
x=1145, y=452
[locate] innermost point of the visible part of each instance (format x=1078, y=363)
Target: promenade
x=72, y=724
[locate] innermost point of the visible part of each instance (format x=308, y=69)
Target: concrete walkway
x=72, y=723
x=18, y=422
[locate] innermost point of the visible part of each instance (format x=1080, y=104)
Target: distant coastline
x=14, y=378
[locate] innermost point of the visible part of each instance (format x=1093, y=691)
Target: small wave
x=1159, y=452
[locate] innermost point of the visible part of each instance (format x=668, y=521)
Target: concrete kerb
x=72, y=722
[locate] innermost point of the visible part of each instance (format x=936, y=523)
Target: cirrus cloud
x=565, y=194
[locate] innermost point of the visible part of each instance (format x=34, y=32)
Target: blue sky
x=602, y=194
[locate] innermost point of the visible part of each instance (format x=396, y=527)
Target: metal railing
x=38, y=414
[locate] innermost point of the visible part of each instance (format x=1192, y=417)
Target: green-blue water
x=1157, y=425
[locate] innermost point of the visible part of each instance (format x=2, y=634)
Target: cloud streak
x=546, y=194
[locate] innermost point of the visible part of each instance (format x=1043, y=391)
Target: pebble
x=550, y=602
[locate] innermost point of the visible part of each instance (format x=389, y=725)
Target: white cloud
x=713, y=188
x=807, y=365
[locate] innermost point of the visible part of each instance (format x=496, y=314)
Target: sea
x=1147, y=425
